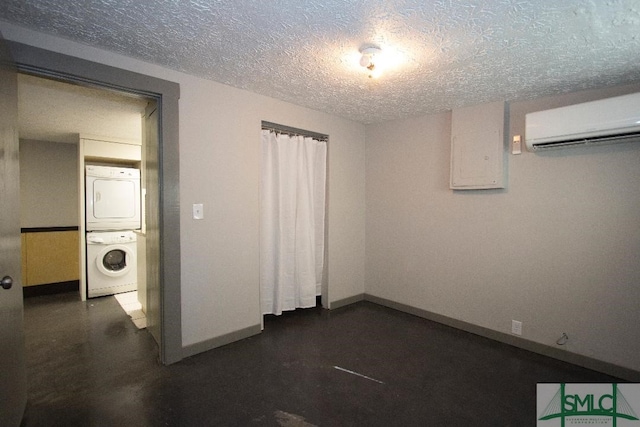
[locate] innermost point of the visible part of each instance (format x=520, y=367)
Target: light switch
x=198, y=211
x=516, y=147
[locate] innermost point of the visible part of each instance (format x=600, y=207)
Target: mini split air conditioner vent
x=606, y=121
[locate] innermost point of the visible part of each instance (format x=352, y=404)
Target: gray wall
x=559, y=249
x=48, y=184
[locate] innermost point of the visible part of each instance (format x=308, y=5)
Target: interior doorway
x=53, y=118
x=164, y=228
x=58, y=122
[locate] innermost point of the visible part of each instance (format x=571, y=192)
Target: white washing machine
x=111, y=263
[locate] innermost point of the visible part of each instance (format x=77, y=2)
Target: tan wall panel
x=51, y=257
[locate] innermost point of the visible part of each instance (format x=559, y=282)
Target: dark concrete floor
x=88, y=365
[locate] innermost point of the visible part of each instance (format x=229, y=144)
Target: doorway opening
x=162, y=226
x=55, y=118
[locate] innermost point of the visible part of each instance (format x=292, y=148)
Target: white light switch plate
x=198, y=211
x=516, y=147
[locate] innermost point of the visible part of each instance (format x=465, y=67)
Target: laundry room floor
x=360, y=365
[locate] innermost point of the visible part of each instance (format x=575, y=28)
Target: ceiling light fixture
x=368, y=60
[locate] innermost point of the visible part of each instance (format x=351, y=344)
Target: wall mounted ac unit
x=605, y=121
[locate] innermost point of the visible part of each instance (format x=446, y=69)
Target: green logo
x=588, y=404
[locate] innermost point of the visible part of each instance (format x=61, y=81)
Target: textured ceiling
x=450, y=53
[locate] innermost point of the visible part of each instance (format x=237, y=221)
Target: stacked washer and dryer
x=112, y=213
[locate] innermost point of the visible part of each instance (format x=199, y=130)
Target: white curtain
x=292, y=221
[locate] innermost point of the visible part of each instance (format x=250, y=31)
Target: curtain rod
x=293, y=131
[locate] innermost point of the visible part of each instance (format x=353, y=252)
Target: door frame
x=53, y=65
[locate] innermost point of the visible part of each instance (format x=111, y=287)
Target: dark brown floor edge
x=51, y=288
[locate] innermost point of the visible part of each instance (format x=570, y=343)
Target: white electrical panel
x=478, y=147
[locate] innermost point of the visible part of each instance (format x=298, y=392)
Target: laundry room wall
x=49, y=214
x=48, y=184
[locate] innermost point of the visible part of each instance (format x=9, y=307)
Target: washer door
x=115, y=260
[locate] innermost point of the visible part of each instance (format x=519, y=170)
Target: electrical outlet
x=516, y=327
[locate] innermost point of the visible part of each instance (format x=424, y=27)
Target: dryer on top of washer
x=112, y=196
